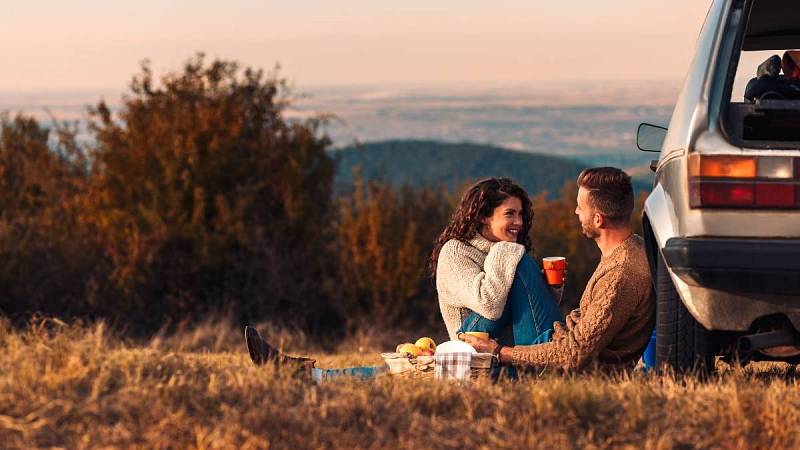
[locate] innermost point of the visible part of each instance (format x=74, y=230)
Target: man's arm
x=600, y=320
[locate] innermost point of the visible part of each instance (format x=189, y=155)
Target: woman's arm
x=481, y=289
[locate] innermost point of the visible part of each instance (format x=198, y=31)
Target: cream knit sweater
x=475, y=277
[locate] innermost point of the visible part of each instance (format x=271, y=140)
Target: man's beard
x=589, y=232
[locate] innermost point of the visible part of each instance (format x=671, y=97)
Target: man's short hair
x=610, y=192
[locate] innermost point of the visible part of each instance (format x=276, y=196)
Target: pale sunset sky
x=93, y=44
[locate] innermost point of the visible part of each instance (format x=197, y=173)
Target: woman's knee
x=527, y=270
x=527, y=265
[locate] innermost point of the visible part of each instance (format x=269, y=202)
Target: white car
x=722, y=224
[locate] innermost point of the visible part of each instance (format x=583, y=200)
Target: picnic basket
x=404, y=366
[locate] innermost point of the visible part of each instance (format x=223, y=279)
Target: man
x=616, y=314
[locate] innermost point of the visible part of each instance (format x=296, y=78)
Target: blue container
x=649, y=356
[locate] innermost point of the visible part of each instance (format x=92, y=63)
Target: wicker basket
x=401, y=365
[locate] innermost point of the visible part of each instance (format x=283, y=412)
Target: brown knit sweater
x=613, y=322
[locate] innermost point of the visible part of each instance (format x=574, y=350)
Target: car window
x=747, y=70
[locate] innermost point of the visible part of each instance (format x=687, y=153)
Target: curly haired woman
x=485, y=279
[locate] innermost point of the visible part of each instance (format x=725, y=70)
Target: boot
x=261, y=352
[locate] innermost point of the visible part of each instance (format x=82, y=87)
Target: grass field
x=81, y=386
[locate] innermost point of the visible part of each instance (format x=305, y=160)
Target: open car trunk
x=765, y=123
x=771, y=119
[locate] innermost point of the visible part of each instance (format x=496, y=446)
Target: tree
x=44, y=260
x=384, y=237
x=206, y=197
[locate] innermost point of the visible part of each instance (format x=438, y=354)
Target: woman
x=484, y=277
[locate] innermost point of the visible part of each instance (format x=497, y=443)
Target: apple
x=426, y=352
x=411, y=349
x=426, y=343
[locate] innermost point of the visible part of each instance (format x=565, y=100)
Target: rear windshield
x=764, y=107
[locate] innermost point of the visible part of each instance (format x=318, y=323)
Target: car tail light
x=769, y=182
x=777, y=195
x=797, y=168
x=722, y=166
x=711, y=194
x=776, y=167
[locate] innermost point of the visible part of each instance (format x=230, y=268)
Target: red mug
x=554, y=269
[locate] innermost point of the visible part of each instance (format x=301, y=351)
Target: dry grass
x=79, y=386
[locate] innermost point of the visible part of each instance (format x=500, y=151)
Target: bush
x=197, y=196
x=384, y=238
x=206, y=198
x=46, y=258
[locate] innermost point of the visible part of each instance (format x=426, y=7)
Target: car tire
x=682, y=344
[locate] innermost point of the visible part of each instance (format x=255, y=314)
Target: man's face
x=587, y=214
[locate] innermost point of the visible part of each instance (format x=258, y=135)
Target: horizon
x=591, y=122
x=525, y=117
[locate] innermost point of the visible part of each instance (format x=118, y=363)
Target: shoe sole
x=251, y=339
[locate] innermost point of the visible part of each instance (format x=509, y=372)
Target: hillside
x=433, y=163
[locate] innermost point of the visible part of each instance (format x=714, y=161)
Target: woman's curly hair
x=477, y=203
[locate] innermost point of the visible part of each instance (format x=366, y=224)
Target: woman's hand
x=480, y=345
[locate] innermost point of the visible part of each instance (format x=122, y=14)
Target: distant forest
x=433, y=164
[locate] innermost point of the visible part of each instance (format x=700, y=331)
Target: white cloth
x=455, y=347
x=452, y=366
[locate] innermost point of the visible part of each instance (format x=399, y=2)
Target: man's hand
x=480, y=345
x=557, y=291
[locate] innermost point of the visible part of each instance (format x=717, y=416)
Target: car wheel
x=682, y=344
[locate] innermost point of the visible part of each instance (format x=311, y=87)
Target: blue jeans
x=530, y=309
x=320, y=375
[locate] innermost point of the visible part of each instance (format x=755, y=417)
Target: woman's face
x=505, y=223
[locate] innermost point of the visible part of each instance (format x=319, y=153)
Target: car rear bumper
x=758, y=266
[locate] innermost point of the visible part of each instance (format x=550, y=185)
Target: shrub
x=206, y=198
x=46, y=257
x=384, y=237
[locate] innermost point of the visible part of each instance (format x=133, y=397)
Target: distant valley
x=593, y=123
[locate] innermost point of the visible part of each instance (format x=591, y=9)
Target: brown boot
x=261, y=352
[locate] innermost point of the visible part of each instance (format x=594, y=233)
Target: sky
x=51, y=45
